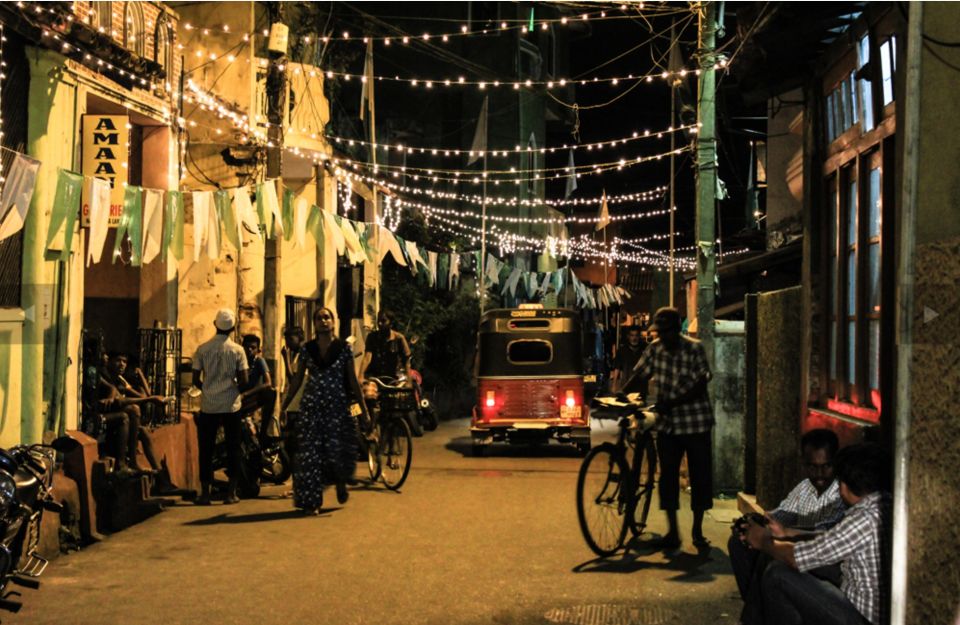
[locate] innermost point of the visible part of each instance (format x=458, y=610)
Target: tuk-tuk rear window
x=528, y=324
x=529, y=352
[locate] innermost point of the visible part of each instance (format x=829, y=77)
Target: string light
x=240, y=121
x=463, y=31
x=476, y=177
x=556, y=83
x=449, y=152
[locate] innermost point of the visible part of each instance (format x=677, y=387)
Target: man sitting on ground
x=812, y=506
x=260, y=392
x=791, y=595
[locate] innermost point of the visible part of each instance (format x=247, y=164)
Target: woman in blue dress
x=326, y=432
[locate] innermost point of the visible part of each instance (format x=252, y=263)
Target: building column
x=51, y=127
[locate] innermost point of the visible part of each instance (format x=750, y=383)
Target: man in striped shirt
x=813, y=505
x=220, y=371
x=791, y=595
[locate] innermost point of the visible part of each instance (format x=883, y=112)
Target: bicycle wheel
x=601, y=499
x=373, y=454
x=645, y=473
x=396, y=451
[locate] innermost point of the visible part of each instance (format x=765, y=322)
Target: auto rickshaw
x=530, y=379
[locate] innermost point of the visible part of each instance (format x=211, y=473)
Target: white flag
x=152, y=224
x=479, y=145
x=604, y=220
x=367, y=89
x=202, y=201
x=99, y=195
x=572, y=177
x=17, y=193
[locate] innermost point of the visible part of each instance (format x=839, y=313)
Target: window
x=163, y=48
x=865, y=87
x=854, y=285
x=134, y=37
x=103, y=17
x=888, y=65
x=529, y=352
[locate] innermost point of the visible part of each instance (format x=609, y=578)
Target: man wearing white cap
x=219, y=370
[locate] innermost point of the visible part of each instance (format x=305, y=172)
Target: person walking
x=326, y=431
x=679, y=368
x=219, y=370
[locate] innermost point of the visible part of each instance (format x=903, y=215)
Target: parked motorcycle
x=263, y=455
x=26, y=479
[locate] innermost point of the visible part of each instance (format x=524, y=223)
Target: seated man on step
x=812, y=506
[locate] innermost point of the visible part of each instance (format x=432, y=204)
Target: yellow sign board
x=104, y=155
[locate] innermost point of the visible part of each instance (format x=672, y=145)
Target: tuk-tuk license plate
x=569, y=412
x=589, y=378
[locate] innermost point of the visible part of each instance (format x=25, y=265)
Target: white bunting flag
x=17, y=194
x=99, y=194
x=152, y=223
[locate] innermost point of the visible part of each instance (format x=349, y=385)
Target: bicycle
x=390, y=449
x=616, y=480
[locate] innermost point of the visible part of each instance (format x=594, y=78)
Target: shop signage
x=104, y=155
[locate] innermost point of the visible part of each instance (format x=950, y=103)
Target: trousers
x=207, y=426
x=699, y=450
x=794, y=598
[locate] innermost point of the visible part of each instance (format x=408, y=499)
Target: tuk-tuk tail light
x=571, y=400
x=491, y=400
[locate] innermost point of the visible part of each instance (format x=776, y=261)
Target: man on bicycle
x=387, y=352
x=679, y=368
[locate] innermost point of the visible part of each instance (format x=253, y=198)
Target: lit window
x=888, y=51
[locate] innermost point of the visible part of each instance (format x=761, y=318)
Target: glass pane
x=851, y=309
x=829, y=116
x=851, y=337
x=886, y=70
x=852, y=86
x=873, y=364
x=833, y=350
x=851, y=209
x=832, y=218
x=844, y=107
x=529, y=352
x=874, y=273
x=873, y=220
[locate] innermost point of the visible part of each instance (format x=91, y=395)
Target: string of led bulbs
x=589, y=147
x=523, y=26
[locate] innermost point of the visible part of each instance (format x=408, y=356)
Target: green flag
x=66, y=205
x=131, y=225
x=315, y=226
x=221, y=199
x=173, y=225
x=287, y=214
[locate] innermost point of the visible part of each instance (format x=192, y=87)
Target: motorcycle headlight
x=8, y=489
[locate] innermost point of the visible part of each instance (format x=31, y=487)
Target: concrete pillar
x=158, y=279
x=51, y=127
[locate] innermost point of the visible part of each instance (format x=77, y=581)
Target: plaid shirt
x=855, y=543
x=804, y=508
x=675, y=373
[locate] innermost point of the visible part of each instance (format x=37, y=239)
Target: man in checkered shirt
x=813, y=505
x=791, y=595
x=679, y=368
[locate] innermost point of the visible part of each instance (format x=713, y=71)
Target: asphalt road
x=468, y=540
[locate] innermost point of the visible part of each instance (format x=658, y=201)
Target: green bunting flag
x=131, y=224
x=66, y=205
x=173, y=224
x=221, y=199
x=315, y=226
x=287, y=214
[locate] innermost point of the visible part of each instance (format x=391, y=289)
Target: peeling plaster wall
x=729, y=443
x=778, y=394
x=933, y=569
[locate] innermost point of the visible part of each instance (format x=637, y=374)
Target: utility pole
x=706, y=179
x=276, y=104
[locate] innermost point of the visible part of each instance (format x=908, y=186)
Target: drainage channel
x=611, y=614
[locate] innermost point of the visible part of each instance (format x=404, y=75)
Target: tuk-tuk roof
x=560, y=319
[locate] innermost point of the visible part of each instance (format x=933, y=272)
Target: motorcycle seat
x=28, y=486
x=7, y=462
